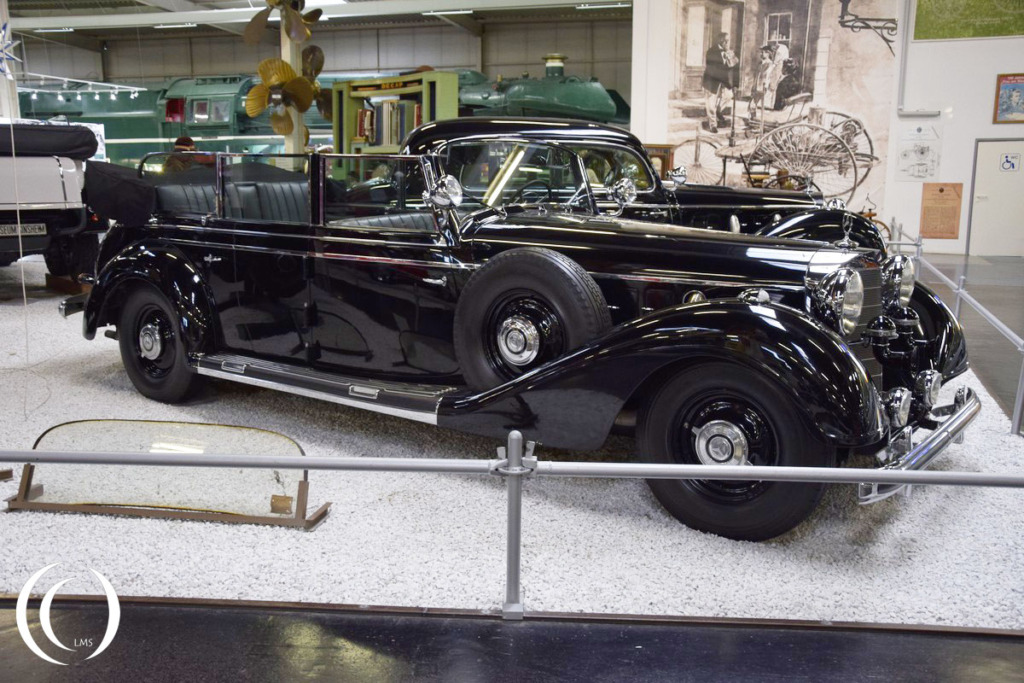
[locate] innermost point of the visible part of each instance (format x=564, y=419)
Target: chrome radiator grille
x=872, y=279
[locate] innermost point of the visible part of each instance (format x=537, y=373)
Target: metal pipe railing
x=514, y=466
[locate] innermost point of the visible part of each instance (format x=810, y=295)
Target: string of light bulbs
x=95, y=88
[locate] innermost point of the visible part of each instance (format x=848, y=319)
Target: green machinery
x=209, y=110
x=553, y=95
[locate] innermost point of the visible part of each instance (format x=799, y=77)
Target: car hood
x=630, y=247
x=743, y=197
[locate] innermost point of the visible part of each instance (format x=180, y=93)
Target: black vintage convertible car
x=484, y=289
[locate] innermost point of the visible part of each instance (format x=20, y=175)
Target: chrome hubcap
x=721, y=443
x=150, y=344
x=518, y=341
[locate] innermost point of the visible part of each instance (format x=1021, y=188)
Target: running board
x=406, y=400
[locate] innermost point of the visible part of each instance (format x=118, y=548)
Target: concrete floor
x=997, y=282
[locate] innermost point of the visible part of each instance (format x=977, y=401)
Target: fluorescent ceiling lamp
x=189, y=25
x=610, y=5
x=441, y=13
x=54, y=30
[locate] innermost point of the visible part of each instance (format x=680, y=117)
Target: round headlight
x=839, y=299
x=899, y=275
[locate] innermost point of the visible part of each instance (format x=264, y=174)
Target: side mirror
x=624, y=192
x=677, y=175
x=446, y=193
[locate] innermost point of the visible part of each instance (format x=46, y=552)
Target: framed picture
x=1009, y=107
x=661, y=157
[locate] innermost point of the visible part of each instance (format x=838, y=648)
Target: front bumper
x=961, y=412
x=72, y=305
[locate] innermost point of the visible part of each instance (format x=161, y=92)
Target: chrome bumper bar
x=962, y=412
x=72, y=305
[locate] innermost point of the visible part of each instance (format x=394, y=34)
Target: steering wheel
x=519, y=194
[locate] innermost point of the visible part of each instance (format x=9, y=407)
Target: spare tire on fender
x=524, y=308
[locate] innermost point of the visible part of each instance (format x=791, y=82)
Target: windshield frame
x=590, y=201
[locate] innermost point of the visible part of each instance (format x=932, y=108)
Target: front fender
x=167, y=269
x=573, y=402
x=827, y=225
x=947, y=349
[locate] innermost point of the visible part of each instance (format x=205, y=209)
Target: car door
x=385, y=279
x=267, y=213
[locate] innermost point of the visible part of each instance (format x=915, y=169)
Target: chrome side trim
x=415, y=415
x=332, y=257
x=694, y=281
x=748, y=207
x=397, y=261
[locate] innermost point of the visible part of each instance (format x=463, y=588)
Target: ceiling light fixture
x=443, y=12
x=54, y=30
x=187, y=25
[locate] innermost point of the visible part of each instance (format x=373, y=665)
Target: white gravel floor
x=945, y=556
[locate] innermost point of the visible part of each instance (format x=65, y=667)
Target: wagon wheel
x=790, y=182
x=813, y=152
x=703, y=166
x=855, y=134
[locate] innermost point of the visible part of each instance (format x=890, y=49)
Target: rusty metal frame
x=27, y=494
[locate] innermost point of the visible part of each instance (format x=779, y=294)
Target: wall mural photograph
x=792, y=94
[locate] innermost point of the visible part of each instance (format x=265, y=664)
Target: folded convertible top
x=45, y=140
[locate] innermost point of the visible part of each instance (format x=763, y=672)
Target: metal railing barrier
x=516, y=462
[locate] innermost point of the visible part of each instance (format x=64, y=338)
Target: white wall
x=345, y=51
x=957, y=77
x=655, y=36
x=55, y=59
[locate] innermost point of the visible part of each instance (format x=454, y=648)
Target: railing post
x=959, y=288
x=514, y=472
x=1018, y=405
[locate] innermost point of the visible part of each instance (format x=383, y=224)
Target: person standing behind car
x=719, y=80
x=179, y=159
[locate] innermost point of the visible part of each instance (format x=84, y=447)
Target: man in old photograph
x=720, y=77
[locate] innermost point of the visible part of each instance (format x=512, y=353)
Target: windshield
x=500, y=174
x=607, y=165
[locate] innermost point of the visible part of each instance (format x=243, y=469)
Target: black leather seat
x=286, y=202
x=415, y=220
x=279, y=202
x=201, y=199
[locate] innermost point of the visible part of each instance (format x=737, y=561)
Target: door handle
x=440, y=281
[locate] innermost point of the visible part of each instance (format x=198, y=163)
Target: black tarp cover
x=117, y=192
x=42, y=140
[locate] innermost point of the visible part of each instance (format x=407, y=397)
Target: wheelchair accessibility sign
x=1009, y=162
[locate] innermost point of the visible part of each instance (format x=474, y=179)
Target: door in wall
x=997, y=215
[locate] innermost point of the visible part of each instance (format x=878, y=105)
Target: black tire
x=537, y=289
x=58, y=257
x=167, y=376
x=683, y=411
x=72, y=255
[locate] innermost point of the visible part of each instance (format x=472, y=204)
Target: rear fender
x=167, y=269
x=573, y=402
x=827, y=225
